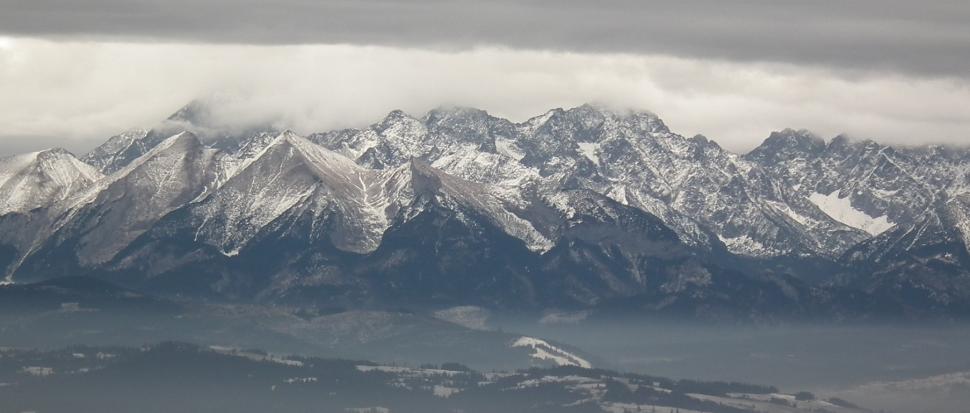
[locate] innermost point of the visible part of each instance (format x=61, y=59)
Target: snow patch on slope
x=841, y=209
x=589, y=150
x=542, y=350
x=746, y=245
x=507, y=147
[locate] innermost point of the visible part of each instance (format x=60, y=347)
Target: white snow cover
x=507, y=147
x=841, y=209
x=748, y=246
x=542, y=350
x=40, y=179
x=589, y=150
x=444, y=391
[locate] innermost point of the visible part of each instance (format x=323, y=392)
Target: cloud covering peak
x=82, y=92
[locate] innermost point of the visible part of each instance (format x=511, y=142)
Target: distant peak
x=845, y=140
x=288, y=134
x=193, y=112
x=287, y=138
x=613, y=111
x=397, y=114
x=801, y=138
x=543, y=118
x=791, y=133
x=449, y=117
x=395, y=117
x=456, y=111
x=788, y=143
x=704, y=141
x=54, y=152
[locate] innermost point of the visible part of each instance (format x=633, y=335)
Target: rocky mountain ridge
x=578, y=208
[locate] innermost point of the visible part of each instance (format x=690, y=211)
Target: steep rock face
x=922, y=267
x=449, y=255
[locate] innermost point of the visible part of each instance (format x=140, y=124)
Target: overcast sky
x=72, y=73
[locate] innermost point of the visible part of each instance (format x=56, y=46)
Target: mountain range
x=585, y=209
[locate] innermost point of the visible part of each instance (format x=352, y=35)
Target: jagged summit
x=787, y=145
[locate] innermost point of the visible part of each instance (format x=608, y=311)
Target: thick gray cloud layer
x=79, y=93
x=929, y=37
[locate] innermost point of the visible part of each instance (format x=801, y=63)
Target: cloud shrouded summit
x=76, y=94
x=73, y=73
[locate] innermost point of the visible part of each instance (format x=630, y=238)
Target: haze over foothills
x=75, y=73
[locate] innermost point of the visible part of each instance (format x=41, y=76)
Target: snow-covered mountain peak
x=120, y=149
x=455, y=192
x=788, y=144
x=293, y=178
x=843, y=142
x=534, y=123
x=398, y=120
x=460, y=125
x=643, y=121
x=176, y=144
x=209, y=112
x=195, y=112
x=107, y=216
x=41, y=179
x=324, y=160
x=173, y=147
